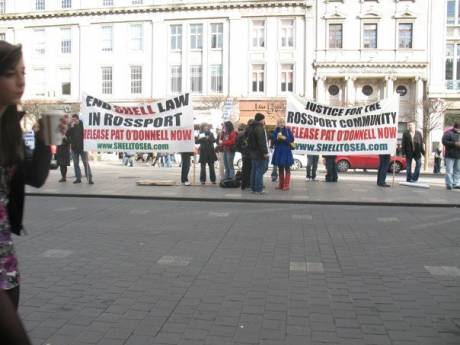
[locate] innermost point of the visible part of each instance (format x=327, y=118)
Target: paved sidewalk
x=136, y=272
x=117, y=181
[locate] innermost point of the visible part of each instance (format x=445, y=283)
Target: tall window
x=335, y=35
x=2, y=6
x=66, y=4
x=39, y=81
x=196, y=36
x=405, y=35
x=451, y=9
x=217, y=35
x=258, y=33
x=66, y=41
x=138, y=2
x=196, y=78
x=137, y=37
x=287, y=33
x=453, y=67
x=258, y=72
x=39, y=5
x=370, y=35
x=287, y=78
x=176, y=79
x=107, y=38
x=176, y=37
x=40, y=41
x=106, y=77
x=2, y=36
x=217, y=78
x=66, y=85
x=107, y=2
x=136, y=79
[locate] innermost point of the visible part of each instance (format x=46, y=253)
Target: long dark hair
x=229, y=127
x=11, y=144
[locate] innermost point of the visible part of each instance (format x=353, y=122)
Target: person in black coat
x=16, y=167
x=243, y=147
x=258, y=151
x=207, y=153
x=63, y=158
x=75, y=136
x=413, y=149
x=451, y=142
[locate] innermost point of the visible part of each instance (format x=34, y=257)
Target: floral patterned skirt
x=9, y=275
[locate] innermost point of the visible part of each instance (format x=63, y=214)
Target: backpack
x=242, y=143
x=230, y=184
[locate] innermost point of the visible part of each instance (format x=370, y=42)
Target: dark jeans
x=185, y=167
x=384, y=164
x=258, y=169
x=76, y=164
x=413, y=176
x=212, y=172
x=13, y=294
x=312, y=166
x=63, y=169
x=331, y=169
x=437, y=165
x=246, y=173
x=274, y=174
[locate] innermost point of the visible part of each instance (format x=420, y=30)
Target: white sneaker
x=186, y=183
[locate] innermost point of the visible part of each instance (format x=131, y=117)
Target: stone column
x=419, y=91
x=351, y=95
x=389, y=87
x=320, y=89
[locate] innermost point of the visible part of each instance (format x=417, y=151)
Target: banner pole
x=194, y=167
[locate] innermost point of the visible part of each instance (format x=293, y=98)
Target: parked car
x=300, y=161
x=368, y=162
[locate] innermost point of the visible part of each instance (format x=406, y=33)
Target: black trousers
x=63, y=169
x=331, y=169
x=212, y=172
x=246, y=173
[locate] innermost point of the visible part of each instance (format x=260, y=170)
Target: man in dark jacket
x=75, y=136
x=451, y=141
x=258, y=151
x=412, y=149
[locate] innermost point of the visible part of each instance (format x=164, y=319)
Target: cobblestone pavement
x=142, y=272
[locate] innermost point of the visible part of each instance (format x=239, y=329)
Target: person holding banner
x=258, y=150
x=384, y=164
x=208, y=155
x=185, y=167
x=282, y=139
x=331, y=168
x=75, y=135
x=413, y=149
x=16, y=168
x=312, y=167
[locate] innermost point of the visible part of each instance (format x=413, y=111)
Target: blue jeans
x=452, y=172
x=409, y=176
x=76, y=164
x=228, y=165
x=383, y=169
x=258, y=169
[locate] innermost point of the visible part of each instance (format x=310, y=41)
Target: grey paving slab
x=176, y=275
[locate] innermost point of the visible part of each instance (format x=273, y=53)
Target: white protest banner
x=166, y=126
x=328, y=130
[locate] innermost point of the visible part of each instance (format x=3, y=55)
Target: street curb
x=249, y=201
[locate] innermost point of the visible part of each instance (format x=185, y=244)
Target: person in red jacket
x=228, y=142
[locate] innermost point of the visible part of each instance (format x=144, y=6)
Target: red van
x=368, y=162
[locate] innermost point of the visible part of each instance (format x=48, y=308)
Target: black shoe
x=62, y=180
x=449, y=187
x=457, y=187
x=90, y=181
x=77, y=181
x=384, y=185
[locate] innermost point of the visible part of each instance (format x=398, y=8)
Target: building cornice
x=370, y=64
x=218, y=5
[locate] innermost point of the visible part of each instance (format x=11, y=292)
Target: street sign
x=227, y=109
